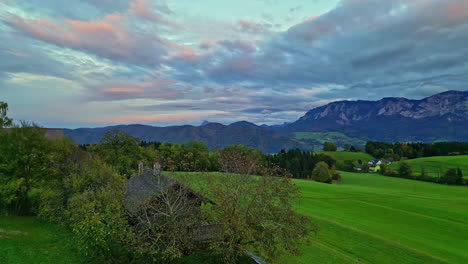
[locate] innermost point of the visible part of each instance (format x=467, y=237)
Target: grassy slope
x=342, y=156
x=28, y=240
x=435, y=165
x=320, y=137
x=375, y=219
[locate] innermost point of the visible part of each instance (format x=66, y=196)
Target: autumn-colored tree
x=255, y=212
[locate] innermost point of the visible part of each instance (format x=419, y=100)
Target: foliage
x=190, y=156
x=25, y=166
x=240, y=159
x=123, y=152
x=298, y=163
x=405, y=170
x=329, y=146
x=452, y=176
x=322, y=173
x=4, y=120
x=395, y=151
x=166, y=225
x=256, y=214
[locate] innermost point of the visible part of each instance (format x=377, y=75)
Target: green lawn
x=436, y=166
x=370, y=218
x=28, y=240
x=342, y=156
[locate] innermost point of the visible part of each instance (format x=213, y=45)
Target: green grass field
x=342, y=156
x=26, y=240
x=370, y=218
x=436, y=166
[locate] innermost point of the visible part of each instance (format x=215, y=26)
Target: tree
x=256, y=214
x=347, y=147
x=26, y=162
x=405, y=170
x=240, y=159
x=322, y=173
x=168, y=223
x=452, y=176
x=120, y=150
x=4, y=120
x=329, y=146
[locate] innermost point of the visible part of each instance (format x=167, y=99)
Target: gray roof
x=140, y=188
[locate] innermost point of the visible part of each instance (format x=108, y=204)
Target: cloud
x=252, y=27
x=141, y=58
x=107, y=38
x=377, y=48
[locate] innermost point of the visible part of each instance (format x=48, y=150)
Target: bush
x=452, y=176
x=329, y=146
x=322, y=173
x=405, y=170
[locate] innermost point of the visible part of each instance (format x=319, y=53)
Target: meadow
x=369, y=218
x=25, y=240
x=436, y=166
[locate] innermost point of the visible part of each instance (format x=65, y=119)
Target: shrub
x=405, y=170
x=322, y=173
x=452, y=176
x=329, y=146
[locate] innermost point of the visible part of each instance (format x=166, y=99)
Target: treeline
x=299, y=164
x=398, y=151
x=452, y=176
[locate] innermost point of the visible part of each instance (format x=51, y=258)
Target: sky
x=91, y=63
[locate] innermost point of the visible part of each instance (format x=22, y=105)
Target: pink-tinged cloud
x=148, y=87
x=162, y=118
x=141, y=9
x=123, y=90
x=108, y=37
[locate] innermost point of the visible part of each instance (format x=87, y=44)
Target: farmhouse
x=150, y=183
x=374, y=165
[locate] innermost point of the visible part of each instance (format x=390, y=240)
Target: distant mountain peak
x=205, y=122
x=444, y=115
x=244, y=124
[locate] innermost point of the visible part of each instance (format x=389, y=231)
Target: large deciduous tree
x=255, y=212
x=120, y=150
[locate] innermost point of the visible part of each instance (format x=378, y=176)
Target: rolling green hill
x=436, y=166
x=342, y=156
x=370, y=218
x=316, y=139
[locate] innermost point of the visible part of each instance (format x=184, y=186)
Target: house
x=374, y=165
x=154, y=194
x=150, y=183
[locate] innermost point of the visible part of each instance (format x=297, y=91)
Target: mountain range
x=439, y=117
